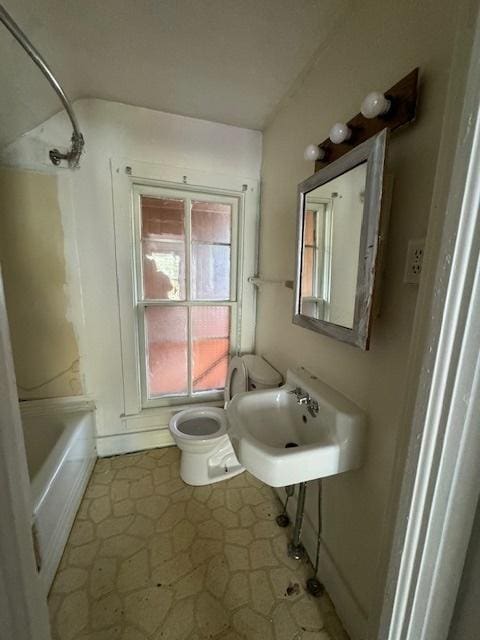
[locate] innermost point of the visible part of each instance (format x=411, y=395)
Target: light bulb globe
x=340, y=132
x=313, y=152
x=374, y=105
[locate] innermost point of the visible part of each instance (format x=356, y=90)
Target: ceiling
x=229, y=61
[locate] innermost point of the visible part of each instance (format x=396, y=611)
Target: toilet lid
x=237, y=378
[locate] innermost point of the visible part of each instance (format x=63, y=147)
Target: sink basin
x=280, y=442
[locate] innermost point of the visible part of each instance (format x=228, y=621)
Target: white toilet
x=201, y=433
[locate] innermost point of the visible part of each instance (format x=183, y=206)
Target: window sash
x=190, y=396
x=321, y=250
x=141, y=303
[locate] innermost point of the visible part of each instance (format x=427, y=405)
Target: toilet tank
x=261, y=375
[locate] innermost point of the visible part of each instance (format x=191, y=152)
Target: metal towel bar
x=257, y=281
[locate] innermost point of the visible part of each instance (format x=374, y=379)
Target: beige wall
x=45, y=348
x=378, y=43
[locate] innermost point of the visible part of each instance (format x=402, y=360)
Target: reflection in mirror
x=331, y=242
x=338, y=237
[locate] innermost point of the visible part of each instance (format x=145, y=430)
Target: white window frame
x=206, y=195
x=321, y=294
x=129, y=175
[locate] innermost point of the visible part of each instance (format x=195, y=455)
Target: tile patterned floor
x=150, y=558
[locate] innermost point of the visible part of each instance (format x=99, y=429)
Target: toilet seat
x=195, y=424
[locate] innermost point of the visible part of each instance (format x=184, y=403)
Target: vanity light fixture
x=374, y=105
x=340, y=132
x=314, y=152
x=390, y=110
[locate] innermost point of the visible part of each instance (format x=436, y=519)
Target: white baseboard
x=352, y=616
x=134, y=441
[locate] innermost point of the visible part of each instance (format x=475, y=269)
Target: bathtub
x=60, y=445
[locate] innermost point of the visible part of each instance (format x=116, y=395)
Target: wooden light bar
x=403, y=98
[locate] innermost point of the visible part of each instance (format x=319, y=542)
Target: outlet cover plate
x=414, y=261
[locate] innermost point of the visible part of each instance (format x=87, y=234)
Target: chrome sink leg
x=295, y=547
x=282, y=519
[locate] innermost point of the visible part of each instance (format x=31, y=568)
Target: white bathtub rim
x=60, y=482
x=57, y=406
x=43, y=480
x=62, y=407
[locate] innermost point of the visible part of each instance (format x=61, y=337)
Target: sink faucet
x=313, y=408
x=303, y=398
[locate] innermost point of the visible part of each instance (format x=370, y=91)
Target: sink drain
x=289, y=445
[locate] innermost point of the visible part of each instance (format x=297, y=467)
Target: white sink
x=263, y=423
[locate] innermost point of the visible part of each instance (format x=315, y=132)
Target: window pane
x=211, y=238
x=210, y=272
x=166, y=339
x=211, y=222
x=211, y=346
x=163, y=248
x=163, y=270
x=162, y=218
x=307, y=271
x=309, y=232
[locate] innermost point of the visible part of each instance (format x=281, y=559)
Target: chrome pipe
x=77, y=140
x=295, y=548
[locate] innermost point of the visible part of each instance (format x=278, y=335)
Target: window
x=186, y=248
x=173, y=242
x=316, y=267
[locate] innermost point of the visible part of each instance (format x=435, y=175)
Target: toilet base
x=201, y=468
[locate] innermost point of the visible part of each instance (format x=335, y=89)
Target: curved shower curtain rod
x=72, y=156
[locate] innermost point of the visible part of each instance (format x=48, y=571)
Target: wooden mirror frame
x=373, y=151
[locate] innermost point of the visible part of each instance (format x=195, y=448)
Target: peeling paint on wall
x=45, y=348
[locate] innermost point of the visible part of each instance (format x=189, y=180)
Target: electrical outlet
x=413, y=265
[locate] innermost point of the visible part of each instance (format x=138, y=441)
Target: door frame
x=440, y=485
x=23, y=605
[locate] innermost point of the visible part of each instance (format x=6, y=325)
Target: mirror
x=338, y=240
